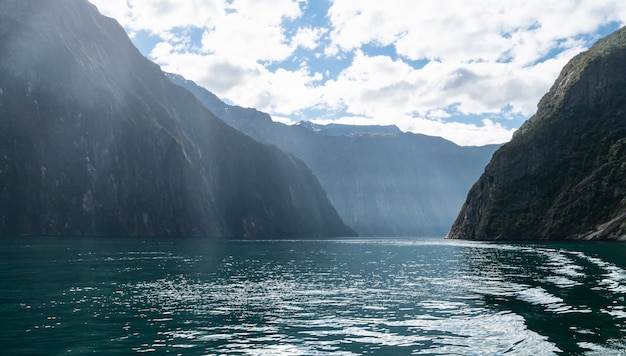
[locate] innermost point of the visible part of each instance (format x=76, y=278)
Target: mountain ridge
x=95, y=140
x=350, y=130
x=383, y=182
x=562, y=174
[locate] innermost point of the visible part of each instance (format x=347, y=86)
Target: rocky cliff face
x=563, y=175
x=381, y=181
x=95, y=140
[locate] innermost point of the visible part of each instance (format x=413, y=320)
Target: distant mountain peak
x=349, y=130
x=383, y=182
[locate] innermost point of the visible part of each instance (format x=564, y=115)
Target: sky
x=470, y=71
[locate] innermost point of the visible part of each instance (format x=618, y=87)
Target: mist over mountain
x=383, y=182
x=95, y=140
x=563, y=175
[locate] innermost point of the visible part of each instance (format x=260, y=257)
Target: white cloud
x=251, y=31
x=117, y=9
x=164, y=15
x=308, y=37
x=461, y=133
x=449, y=59
x=457, y=30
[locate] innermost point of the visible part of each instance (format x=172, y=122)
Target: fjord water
x=345, y=297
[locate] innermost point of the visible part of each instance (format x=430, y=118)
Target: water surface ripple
x=340, y=297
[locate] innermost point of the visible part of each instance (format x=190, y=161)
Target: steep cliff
x=563, y=175
x=383, y=182
x=95, y=140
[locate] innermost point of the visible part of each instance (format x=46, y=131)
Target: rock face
x=381, y=181
x=95, y=140
x=563, y=175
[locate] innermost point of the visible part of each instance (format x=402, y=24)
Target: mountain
x=95, y=140
x=563, y=175
x=383, y=182
x=350, y=130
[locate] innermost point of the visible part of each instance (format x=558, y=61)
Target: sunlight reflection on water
x=421, y=297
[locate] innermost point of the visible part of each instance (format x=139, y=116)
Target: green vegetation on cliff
x=563, y=175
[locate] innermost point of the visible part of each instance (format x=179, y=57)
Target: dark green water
x=382, y=297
